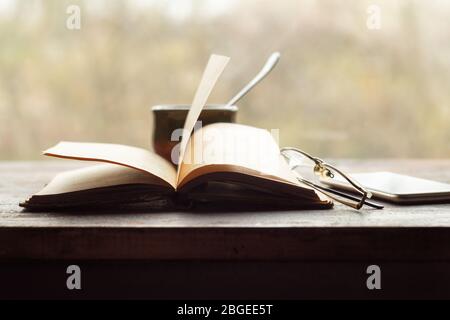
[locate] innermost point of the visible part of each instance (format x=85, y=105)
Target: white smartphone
x=397, y=188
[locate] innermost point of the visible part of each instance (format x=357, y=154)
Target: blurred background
x=341, y=89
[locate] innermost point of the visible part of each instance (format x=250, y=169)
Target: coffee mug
x=170, y=117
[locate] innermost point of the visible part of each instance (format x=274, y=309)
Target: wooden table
x=274, y=253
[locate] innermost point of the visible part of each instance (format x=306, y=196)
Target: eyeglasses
x=311, y=171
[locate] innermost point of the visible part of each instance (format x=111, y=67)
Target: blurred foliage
x=340, y=90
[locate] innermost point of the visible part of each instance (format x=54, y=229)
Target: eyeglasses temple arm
x=342, y=194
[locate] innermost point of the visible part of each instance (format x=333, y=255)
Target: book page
x=230, y=147
x=214, y=69
x=132, y=157
x=98, y=176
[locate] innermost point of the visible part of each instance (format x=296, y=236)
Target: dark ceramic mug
x=169, y=117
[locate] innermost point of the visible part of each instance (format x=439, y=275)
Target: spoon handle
x=270, y=64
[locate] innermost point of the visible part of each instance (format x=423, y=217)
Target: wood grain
x=396, y=233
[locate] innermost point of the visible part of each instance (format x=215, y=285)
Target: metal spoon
x=270, y=64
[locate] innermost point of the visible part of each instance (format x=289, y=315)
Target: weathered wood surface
x=395, y=233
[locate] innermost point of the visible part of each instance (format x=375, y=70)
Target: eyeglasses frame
x=323, y=169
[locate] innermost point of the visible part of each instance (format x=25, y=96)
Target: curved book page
x=132, y=157
x=235, y=151
x=213, y=70
x=241, y=148
x=98, y=176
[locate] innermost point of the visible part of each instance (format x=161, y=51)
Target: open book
x=222, y=164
